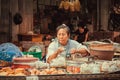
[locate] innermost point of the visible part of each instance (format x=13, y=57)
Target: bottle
x=68, y=56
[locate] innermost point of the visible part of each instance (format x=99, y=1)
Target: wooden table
x=114, y=76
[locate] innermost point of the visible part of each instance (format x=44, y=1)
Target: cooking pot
x=103, y=52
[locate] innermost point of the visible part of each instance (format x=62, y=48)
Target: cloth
x=71, y=44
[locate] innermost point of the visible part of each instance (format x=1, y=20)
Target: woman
x=63, y=45
x=81, y=33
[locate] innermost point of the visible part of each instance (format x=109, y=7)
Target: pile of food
x=70, y=67
x=8, y=71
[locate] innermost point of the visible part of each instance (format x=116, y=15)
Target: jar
x=73, y=67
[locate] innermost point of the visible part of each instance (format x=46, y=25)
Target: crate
x=35, y=54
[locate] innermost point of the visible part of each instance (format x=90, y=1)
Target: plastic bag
x=8, y=51
x=72, y=8
x=77, y=5
x=61, y=5
x=66, y=5
x=35, y=48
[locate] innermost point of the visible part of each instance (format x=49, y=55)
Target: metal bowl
x=103, y=52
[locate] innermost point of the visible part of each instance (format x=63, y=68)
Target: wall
x=8, y=8
x=25, y=8
x=104, y=14
x=14, y=9
x=5, y=27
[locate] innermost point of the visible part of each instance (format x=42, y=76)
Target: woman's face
x=81, y=29
x=62, y=36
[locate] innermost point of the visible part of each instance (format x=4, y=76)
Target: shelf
x=27, y=37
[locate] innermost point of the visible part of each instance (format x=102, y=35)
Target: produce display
x=28, y=65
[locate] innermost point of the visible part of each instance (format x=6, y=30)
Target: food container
x=102, y=51
x=73, y=67
x=35, y=54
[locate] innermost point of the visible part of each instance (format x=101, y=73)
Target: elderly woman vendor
x=63, y=45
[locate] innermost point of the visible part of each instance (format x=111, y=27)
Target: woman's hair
x=63, y=26
x=81, y=24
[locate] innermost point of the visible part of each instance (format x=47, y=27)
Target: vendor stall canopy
x=8, y=51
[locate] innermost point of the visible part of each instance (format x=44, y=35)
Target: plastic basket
x=35, y=54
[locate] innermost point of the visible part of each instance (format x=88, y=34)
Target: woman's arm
x=54, y=55
x=76, y=37
x=82, y=51
x=86, y=37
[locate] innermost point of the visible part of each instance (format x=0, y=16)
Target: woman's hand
x=73, y=51
x=60, y=49
x=81, y=51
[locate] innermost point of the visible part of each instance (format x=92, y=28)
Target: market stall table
x=112, y=76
